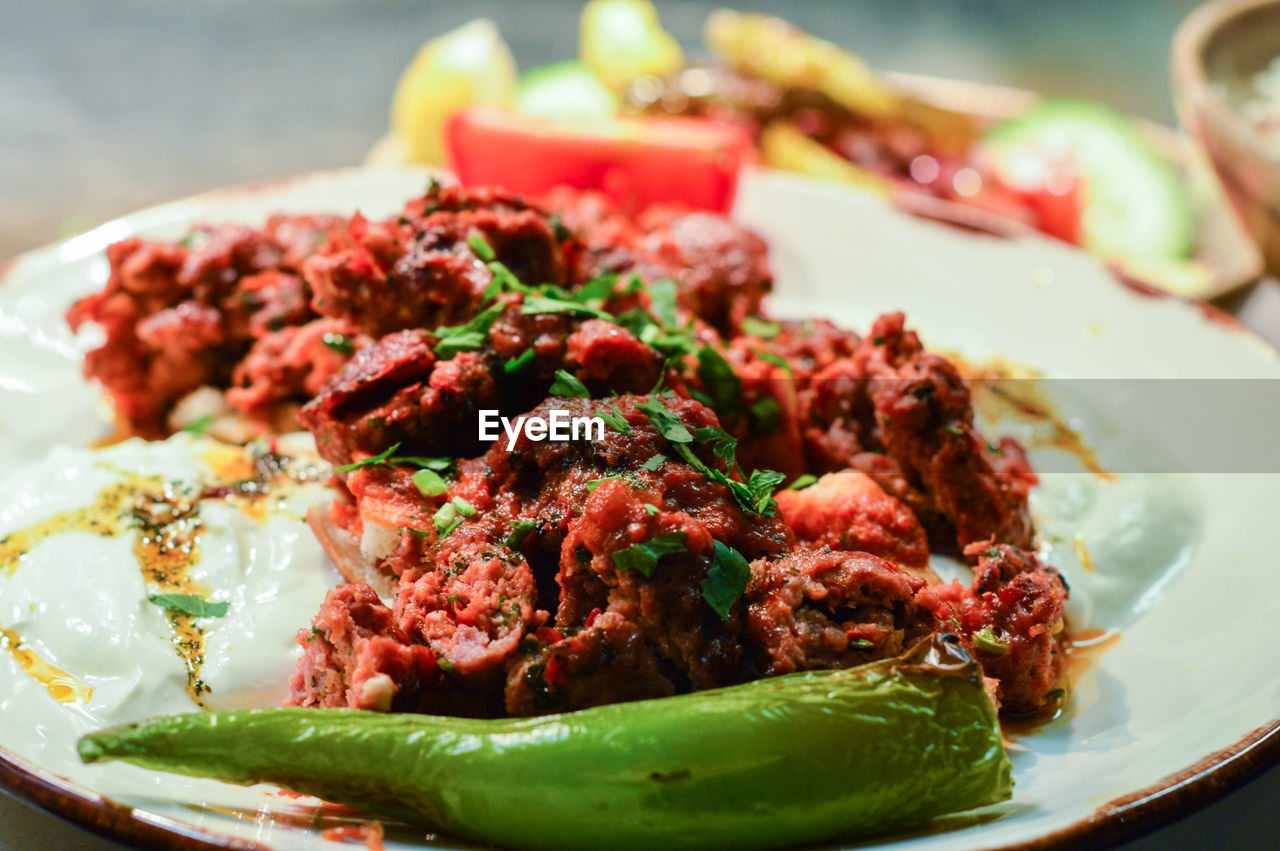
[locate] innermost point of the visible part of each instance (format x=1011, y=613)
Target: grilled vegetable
x=773, y=49
x=781, y=761
x=637, y=162
x=465, y=66
x=565, y=90
x=785, y=147
x=1134, y=205
x=622, y=40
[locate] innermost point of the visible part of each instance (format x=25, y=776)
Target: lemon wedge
x=469, y=65
x=622, y=40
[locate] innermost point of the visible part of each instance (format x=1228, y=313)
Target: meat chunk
x=475, y=605
x=1011, y=617
x=825, y=609
x=180, y=317
x=849, y=511
x=397, y=391
x=722, y=269
x=607, y=661
x=354, y=655
x=924, y=420
x=284, y=369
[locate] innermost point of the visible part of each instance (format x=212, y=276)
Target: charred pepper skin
x=793, y=759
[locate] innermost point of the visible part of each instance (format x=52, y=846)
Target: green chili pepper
x=782, y=761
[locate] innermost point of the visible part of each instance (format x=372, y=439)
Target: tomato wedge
x=636, y=162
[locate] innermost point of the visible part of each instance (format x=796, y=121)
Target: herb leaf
x=518, y=533
x=654, y=463
x=199, y=426
x=766, y=329
x=726, y=581
x=988, y=642
x=481, y=247
x=546, y=304
x=775, y=359
x=802, y=482
x=662, y=295
x=567, y=384
x=519, y=362
x=429, y=483
x=667, y=423
x=595, y=483
x=719, y=382
x=380, y=458
x=643, y=557
x=340, y=343
x=197, y=607
x=596, y=289
x=615, y=420
x=760, y=487
x=468, y=337
x=766, y=416
x=450, y=516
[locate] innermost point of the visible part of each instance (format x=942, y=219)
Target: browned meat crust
x=827, y=609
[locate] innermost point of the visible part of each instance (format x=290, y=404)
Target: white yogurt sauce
x=74, y=608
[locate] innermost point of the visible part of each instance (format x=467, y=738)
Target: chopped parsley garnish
x=952, y=428
x=518, y=533
x=994, y=449
x=764, y=328
x=756, y=494
x=615, y=420
x=766, y=416
x=595, y=483
x=667, y=423
x=389, y=458
x=650, y=509
x=197, y=607
x=726, y=581
x=340, y=343
x=775, y=359
x=802, y=482
x=597, y=289
x=990, y=643
x=861, y=643
x=481, y=247
x=450, y=516
x=519, y=362
x=199, y=426
x=662, y=301
x=654, y=463
x=760, y=489
x=430, y=483
x=567, y=384
x=467, y=337
x=546, y=304
x=381, y=458
x=719, y=382
x=643, y=557
x=446, y=665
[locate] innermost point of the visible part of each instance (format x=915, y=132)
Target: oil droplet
x=62, y=686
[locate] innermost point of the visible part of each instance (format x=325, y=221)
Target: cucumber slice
x=1135, y=203
x=565, y=90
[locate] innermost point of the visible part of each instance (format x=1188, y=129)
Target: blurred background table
x=112, y=105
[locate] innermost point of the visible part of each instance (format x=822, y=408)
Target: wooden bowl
x=1217, y=52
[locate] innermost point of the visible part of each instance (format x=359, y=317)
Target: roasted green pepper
x=798, y=758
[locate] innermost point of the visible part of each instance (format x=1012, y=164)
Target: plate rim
x=1126, y=817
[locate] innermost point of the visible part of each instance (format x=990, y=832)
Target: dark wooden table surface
x=112, y=105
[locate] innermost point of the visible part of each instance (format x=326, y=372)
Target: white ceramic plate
x=1184, y=702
